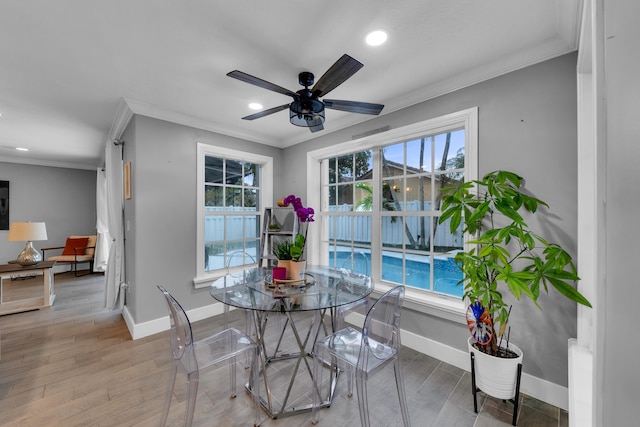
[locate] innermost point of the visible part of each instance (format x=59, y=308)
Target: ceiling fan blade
x=316, y=128
x=248, y=78
x=343, y=68
x=266, y=112
x=353, y=106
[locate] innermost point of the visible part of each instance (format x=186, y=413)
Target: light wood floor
x=76, y=365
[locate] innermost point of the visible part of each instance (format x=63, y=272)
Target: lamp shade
x=27, y=231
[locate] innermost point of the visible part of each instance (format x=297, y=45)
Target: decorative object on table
x=505, y=251
x=28, y=232
x=283, y=253
x=274, y=283
x=307, y=110
x=296, y=269
x=286, y=264
x=290, y=254
x=279, y=273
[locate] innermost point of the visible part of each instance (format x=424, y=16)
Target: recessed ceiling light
x=22, y=149
x=376, y=37
x=255, y=106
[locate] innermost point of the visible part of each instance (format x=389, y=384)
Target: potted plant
x=290, y=254
x=274, y=227
x=282, y=251
x=505, y=255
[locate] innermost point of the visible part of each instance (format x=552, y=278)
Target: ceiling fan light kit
x=307, y=110
x=306, y=113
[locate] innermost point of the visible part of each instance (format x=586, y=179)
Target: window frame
x=204, y=278
x=416, y=299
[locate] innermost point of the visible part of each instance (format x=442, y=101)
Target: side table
x=46, y=300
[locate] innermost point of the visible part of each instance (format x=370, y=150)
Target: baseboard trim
x=144, y=329
x=537, y=388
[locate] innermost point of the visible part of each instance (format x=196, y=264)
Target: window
x=232, y=189
x=416, y=251
x=349, y=189
x=380, y=199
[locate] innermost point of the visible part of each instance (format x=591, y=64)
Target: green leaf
x=505, y=248
x=456, y=219
x=569, y=291
x=510, y=213
x=446, y=214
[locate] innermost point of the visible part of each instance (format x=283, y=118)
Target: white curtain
x=115, y=273
x=102, y=223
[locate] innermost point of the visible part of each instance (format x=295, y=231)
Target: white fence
x=238, y=227
x=342, y=228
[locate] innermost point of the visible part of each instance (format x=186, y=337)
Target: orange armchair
x=77, y=249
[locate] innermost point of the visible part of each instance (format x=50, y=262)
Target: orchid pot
x=296, y=270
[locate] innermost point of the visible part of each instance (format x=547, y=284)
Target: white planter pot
x=496, y=376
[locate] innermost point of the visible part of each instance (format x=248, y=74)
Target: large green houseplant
x=505, y=254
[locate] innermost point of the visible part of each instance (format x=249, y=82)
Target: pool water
x=446, y=273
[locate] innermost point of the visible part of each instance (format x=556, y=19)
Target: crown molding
x=144, y=109
x=49, y=163
x=121, y=120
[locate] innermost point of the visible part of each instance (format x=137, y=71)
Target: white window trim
x=204, y=279
x=415, y=299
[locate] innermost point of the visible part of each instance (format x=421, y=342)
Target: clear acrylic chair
x=364, y=354
x=192, y=356
x=357, y=262
x=237, y=258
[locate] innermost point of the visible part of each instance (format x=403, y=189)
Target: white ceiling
x=67, y=65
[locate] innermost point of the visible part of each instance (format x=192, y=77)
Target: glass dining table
x=304, y=310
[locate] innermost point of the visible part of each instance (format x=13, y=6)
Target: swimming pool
x=446, y=273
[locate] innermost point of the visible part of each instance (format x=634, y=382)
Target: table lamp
x=28, y=232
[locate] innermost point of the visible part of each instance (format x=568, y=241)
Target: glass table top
x=323, y=287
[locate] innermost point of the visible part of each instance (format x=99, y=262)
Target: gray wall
x=160, y=218
x=527, y=124
x=65, y=199
x=618, y=342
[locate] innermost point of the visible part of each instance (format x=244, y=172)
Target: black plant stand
x=475, y=390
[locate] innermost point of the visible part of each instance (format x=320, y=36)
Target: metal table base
x=302, y=357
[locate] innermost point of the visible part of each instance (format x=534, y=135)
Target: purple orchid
x=304, y=214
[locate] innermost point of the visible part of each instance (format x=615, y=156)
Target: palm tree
x=366, y=203
x=396, y=203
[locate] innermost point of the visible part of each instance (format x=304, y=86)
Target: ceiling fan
x=306, y=109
